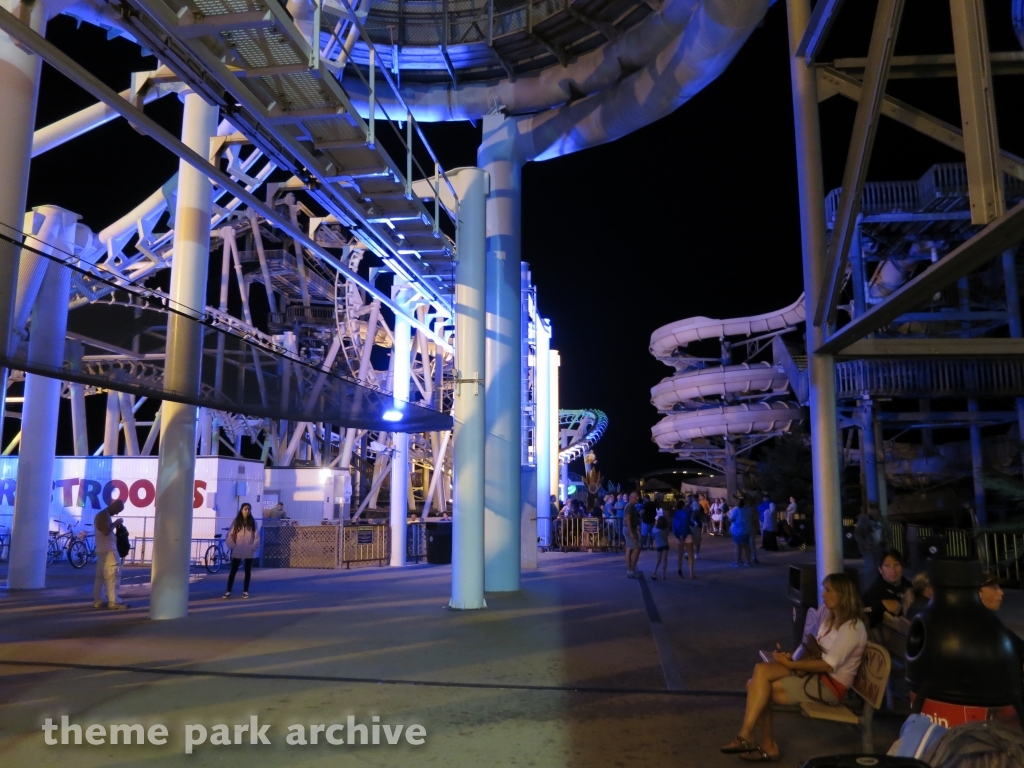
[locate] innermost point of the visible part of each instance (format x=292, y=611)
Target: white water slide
x=705, y=399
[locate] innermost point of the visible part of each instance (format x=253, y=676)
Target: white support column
x=554, y=363
x=111, y=424
x=828, y=531
x=19, y=87
x=205, y=432
x=400, y=355
x=470, y=420
x=542, y=434
x=79, y=427
x=131, y=436
x=176, y=469
x=498, y=156
x=29, y=529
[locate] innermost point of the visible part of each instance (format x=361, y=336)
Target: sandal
x=760, y=756
x=738, y=746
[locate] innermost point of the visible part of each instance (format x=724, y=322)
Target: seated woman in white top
x=822, y=670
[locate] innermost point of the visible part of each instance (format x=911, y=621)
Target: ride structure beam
x=844, y=85
x=821, y=374
x=865, y=126
x=818, y=26
x=1005, y=232
x=978, y=111
x=934, y=348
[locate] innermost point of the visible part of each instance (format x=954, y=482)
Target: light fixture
x=392, y=414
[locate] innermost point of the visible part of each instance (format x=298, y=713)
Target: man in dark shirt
x=648, y=517
x=886, y=594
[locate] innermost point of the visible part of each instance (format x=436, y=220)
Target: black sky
x=695, y=214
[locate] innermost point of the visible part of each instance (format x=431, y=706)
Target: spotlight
x=392, y=414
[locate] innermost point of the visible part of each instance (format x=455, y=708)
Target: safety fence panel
x=586, y=533
x=897, y=538
x=301, y=546
x=364, y=544
x=1001, y=553
x=416, y=541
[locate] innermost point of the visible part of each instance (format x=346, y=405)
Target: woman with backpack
x=244, y=543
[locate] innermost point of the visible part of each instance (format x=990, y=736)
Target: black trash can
x=804, y=593
x=439, y=543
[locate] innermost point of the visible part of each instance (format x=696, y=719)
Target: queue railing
x=365, y=543
x=589, y=534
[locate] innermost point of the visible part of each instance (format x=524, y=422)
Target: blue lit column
x=542, y=434
x=470, y=421
x=401, y=353
x=499, y=157
x=554, y=362
x=176, y=469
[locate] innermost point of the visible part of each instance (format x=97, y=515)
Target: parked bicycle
x=59, y=542
x=216, y=554
x=82, y=550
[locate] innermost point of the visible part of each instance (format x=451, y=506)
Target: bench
x=893, y=632
x=869, y=685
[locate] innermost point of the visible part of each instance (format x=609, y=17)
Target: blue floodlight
x=392, y=414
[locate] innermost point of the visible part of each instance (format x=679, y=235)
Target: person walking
x=682, y=529
x=631, y=533
x=244, y=543
x=661, y=532
x=739, y=529
x=108, y=564
x=753, y=525
x=769, y=539
x=791, y=511
x=697, y=520
x=648, y=514
x=717, y=513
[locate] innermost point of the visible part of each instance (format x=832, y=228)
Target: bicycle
x=216, y=554
x=59, y=542
x=82, y=550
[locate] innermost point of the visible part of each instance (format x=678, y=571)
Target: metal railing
x=935, y=378
x=416, y=541
x=1001, y=553
x=369, y=543
x=586, y=534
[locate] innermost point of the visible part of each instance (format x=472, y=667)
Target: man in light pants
x=108, y=563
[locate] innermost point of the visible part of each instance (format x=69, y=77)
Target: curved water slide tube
x=667, y=340
x=586, y=427
x=700, y=402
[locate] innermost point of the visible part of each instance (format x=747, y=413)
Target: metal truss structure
x=932, y=317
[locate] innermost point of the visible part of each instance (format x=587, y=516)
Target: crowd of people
x=638, y=520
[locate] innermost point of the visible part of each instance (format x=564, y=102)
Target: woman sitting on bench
x=821, y=669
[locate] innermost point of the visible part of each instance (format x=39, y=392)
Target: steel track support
x=821, y=367
x=172, y=538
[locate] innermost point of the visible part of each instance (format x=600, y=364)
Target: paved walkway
x=571, y=671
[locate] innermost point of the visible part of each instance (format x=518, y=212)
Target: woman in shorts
x=821, y=670
x=682, y=529
x=631, y=535
x=661, y=531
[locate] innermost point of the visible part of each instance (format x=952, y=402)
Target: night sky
x=694, y=215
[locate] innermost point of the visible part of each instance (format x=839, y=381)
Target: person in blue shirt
x=682, y=529
x=739, y=529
